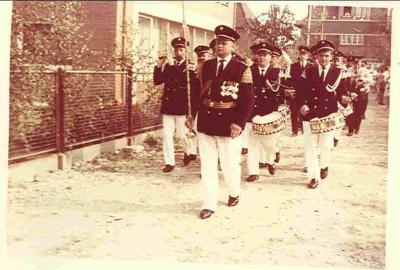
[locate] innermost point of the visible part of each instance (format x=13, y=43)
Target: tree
x=276, y=27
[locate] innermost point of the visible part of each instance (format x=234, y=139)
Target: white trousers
x=174, y=124
x=246, y=133
x=228, y=151
x=314, y=145
x=260, y=145
x=193, y=142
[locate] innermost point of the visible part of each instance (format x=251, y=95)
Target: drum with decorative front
x=268, y=124
x=327, y=123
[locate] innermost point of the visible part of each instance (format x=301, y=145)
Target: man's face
x=338, y=61
x=180, y=53
x=201, y=57
x=303, y=56
x=324, y=58
x=274, y=59
x=224, y=47
x=263, y=58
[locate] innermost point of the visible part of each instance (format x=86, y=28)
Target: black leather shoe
x=335, y=142
x=206, y=213
x=168, y=168
x=233, y=201
x=313, y=184
x=294, y=134
x=324, y=173
x=252, y=178
x=271, y=169
x=356, y=131
x=350, y=134
x=244, y=151
x=192, y=157
x=277, y=157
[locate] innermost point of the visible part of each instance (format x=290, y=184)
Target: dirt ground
x=123, y=207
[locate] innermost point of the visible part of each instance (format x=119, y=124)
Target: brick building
x=243, y=19
x=356, y=31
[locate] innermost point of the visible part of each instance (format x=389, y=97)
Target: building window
x=347, y=12
x=349, y=39
x=149, y=34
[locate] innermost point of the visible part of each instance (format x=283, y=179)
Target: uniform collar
x=227, y=59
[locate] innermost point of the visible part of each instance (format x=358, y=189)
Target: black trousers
x=364, y=103
x=353, y=121
x=295, y=116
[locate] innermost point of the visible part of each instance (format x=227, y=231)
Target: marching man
x=174, y=104
x=225, y=105
x=266, y=89
x=318, y=95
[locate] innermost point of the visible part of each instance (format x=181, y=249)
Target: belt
x=219, y=105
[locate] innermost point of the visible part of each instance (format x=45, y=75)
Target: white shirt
x=226, y=61
x=325, y=70
x=262, y=68
x=179, y=62
x=303, y=64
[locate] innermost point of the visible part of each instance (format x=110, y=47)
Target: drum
x=284, y=110
x=327, y=123
x=268, y=124
x=346, y=111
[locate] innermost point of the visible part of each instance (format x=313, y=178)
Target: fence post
x=129, y=105
x=60, y=118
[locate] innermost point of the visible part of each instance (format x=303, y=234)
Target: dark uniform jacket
x=174, y=100
x=217, y=122
x=314, y=94
x=295, y=73
x=266, y=100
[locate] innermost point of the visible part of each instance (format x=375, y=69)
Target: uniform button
x=263, y=91
x=315, y=107
x=316, y=98
x=208, y=112
x=255, y=105
x=255, y=96
x=326, y=99
x=305, y=102
x=219, y=114
x=326, y=108
x=167, y=98
x=265, y=97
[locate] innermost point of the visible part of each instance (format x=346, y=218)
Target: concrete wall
x=41, y=165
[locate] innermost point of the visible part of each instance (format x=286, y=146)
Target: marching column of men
x=227, y=95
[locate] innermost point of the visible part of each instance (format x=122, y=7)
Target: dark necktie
x=221, y=67
x=262, y=72
x=322, y=74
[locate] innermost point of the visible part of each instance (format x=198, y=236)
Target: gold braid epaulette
x=247, y=77
x=332, y=88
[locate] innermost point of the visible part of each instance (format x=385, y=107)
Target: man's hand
x=235, y=130
x=304, y=110
x=353, y=95
x=191, y=67
x=346, y=99
x=162, y=60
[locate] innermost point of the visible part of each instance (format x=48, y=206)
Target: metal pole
x=129, y=105
x=184, y=26
x=60, y=112
x=309, y=24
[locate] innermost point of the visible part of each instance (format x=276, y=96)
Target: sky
x=299, y=9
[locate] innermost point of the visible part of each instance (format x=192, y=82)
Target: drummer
x=317, y=97
x=266, y=88
x=338, y=59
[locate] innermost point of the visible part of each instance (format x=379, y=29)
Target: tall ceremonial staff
x=185, y=34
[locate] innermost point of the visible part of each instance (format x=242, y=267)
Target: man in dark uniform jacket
x=319, y=93
x=296, y=70
x=226, y=102
x=174, y=104
x=266, y=85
